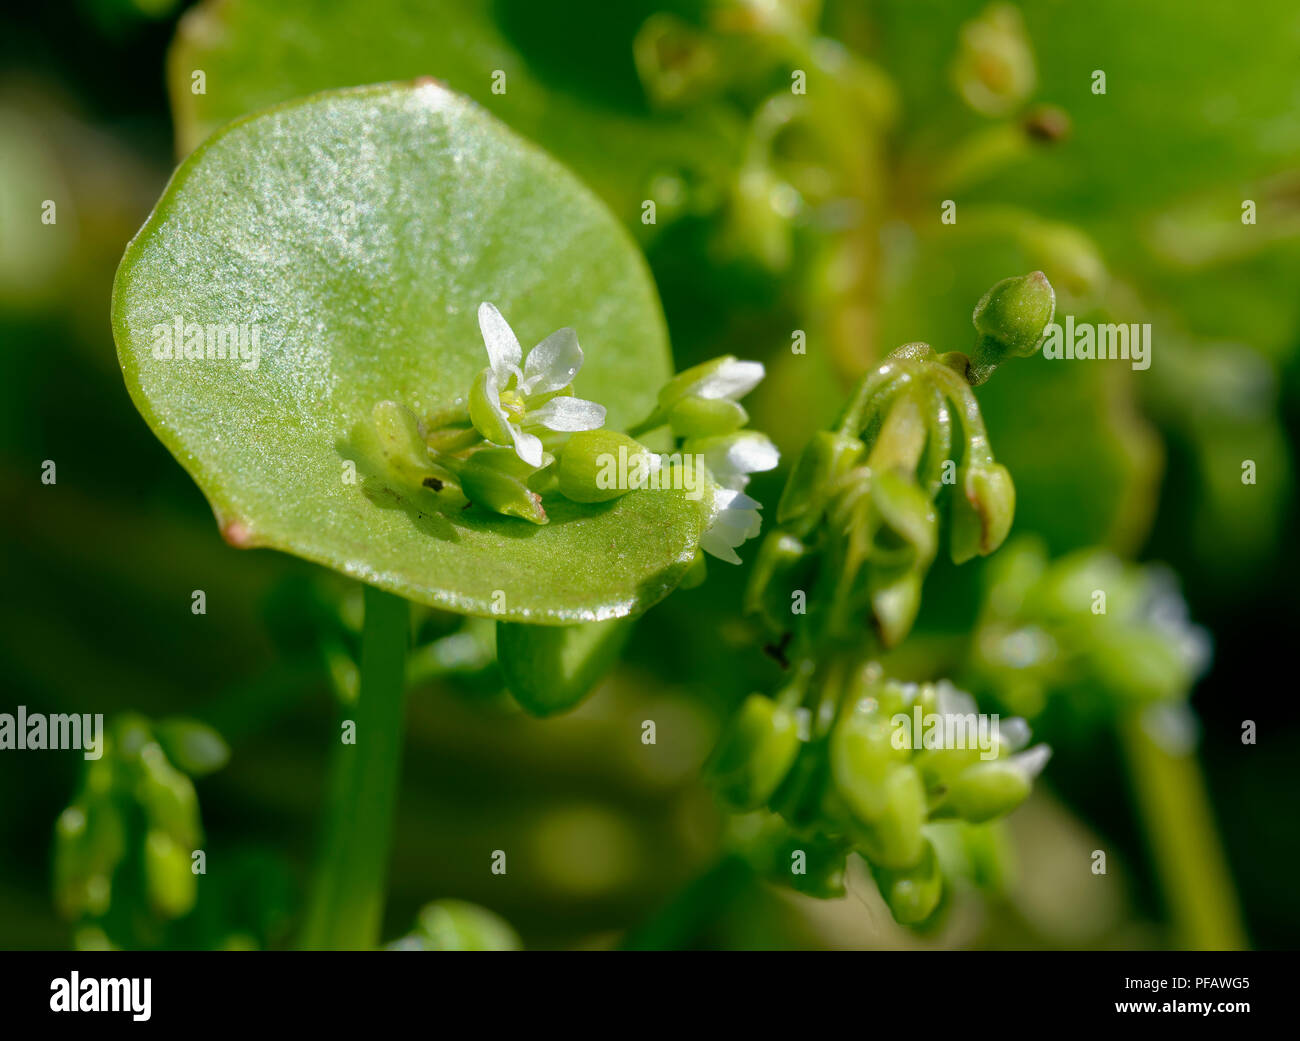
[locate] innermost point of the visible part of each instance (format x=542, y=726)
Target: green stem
x=346, y=907
x=1180, y=828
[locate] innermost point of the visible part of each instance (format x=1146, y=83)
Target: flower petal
x=732, y=380
x=553, y=363
x=504, y=352
x=732, y=457
x=568, y=414
x=527, y=446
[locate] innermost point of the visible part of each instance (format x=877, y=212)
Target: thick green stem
x=1180, y=828
x=346, y=907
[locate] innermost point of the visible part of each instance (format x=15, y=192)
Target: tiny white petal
x=731, y=458
x=715, y=546
x=553, y=363
x=569, y=414
x=527, y=446
x=504, y=352
x=733, y=380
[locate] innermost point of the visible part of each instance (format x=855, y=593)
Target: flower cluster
x=867, y=765
x=524, y=434
x=134, y=823
x=858, y=529
x=1101, y=635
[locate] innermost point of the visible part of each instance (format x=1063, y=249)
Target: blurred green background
x=1133, y=210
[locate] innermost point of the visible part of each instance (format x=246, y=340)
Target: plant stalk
x=345, y=910
x=1180, y=828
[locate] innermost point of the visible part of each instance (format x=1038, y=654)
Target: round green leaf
x=354, y=234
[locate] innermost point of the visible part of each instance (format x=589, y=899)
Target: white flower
x=507, y=399
x=731, y=458
x=735, y=519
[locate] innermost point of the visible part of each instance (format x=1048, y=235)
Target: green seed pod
x=171, y=884
x=1011, y=320
x=551, y=668
x=913, y=893
x=497, y=480
x=990, y=789
x=755, y=753
x=982, y=511
x=599, y=465
x=827, y=457
x=706, y=417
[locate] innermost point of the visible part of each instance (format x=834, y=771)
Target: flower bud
x=706, y=417
x=755, y=753
x=455, y=925
x=497, y=480
x=723, y=377
x=783, y=566
x=908, y=518
x=827, y=456
x=894, y=839
x=172, y=886
x=912, y=893
x=982, y=512
x=1011, y=320
x=599, y=465
x=994, y=69
x=990, y=789
x=863, y=753
x=400, y=440
x=895, y=601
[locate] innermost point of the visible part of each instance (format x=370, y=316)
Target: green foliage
x=389, y=216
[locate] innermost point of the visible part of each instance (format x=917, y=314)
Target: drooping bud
x=497, y=479
x=982, y=511
x=1011, y=320
x=828, y=456
x=779, y=572
x=404, y=447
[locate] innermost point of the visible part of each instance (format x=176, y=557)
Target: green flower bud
x=894, y=839
x=723, y=377
x=983, y=511
x=863, y=755
x=599, y=465
x=990, y=789
x=168, y=797
x=912, y=893
x=193, y=746
x=755, y=753
x=497, y=480
x=706, y=417
x=822, y=863
x=400, y=440
x=171, y=884
x=828, y=456
x=910, y=524
x=1011, y=320
x=895, y=601
x=455, y=925
x=783, y=565
x=491, y=422
x=994, y=69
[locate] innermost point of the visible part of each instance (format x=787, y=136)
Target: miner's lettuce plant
x=395, y=248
